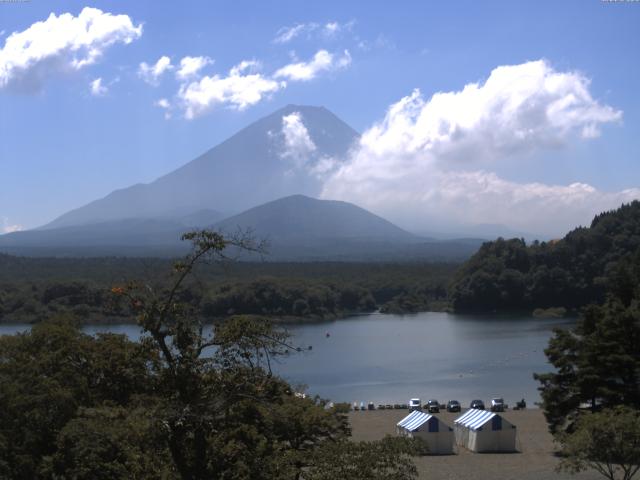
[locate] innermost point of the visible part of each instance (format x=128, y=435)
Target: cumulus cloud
x=298, y=146
x=426, y=160
x=191, y=66
x=97, y=88
x=60, y=44
x=300, y=151
x=8, y=227
x=321, y=61
x=519, y=108
x=237, y=90
x=245, y=84
x=152, y=73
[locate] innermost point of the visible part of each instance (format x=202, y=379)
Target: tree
x=607, y=441
x=388, y=459
x=178, y=404
x=598, y=362
x=110, y=442
x=225, y=414
x=51, y=372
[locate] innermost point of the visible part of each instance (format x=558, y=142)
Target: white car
x=415, y=404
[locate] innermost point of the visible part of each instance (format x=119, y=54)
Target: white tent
x=483, y=431
x=437, y=435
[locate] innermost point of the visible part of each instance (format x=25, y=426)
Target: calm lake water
x=390, y=358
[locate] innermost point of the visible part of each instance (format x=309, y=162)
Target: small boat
x=327, y=334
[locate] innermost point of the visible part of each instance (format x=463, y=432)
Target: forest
x=569, y=273
x=32, y=289
x=504, y=275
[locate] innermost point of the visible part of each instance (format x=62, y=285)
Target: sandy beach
x=534, y=460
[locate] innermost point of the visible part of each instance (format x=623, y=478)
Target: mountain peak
x=249, y=168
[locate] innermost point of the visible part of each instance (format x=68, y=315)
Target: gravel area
x=534, y=460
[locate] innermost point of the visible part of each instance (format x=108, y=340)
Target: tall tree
x=598, y=362
x=608, y=442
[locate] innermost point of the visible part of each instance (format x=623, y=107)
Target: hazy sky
x=535, y=104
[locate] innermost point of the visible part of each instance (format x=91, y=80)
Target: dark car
x=497, y=404
x=477, y=404
x=453, y=406
x=433, y=406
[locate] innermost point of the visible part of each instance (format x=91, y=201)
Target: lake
x=390, y=358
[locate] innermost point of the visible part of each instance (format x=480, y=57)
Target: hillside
x=570, y=272
x=300, y=219
x=298, y=228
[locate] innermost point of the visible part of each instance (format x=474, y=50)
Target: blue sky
x=62, y=146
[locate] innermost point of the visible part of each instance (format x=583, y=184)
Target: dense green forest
x=32, y=289
x=570, y=273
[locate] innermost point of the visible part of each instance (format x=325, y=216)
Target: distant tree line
x=33, y=289
x=571, y=273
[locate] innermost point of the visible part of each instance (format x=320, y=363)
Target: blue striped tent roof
x=474, y=419
x=414, y=420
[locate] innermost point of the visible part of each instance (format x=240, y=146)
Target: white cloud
x=312, y=29
x=244, y=85
x=298, y=146
x=286, y=34
x=61, y=44
x=7, y=227
x=321, y=61
x=333, y=29
x=519, y=108
x=164, y=104
x=237, y=90
x=97, y=89
x=299, y=149
x=420, y=164
x=152, y=73
x=191, y=66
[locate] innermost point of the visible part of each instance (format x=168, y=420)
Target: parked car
x=433, y=406
x=453, y=406
x=477, y=404
x=414, y=404
x=497, y=404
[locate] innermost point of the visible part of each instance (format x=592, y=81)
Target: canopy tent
x=437, y=435
x=483, y=431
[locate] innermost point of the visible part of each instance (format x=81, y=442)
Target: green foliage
x=32, y=289
x=283, y=298
x=110, y=443
x=570, y=273
x=608, y=442
x=176, y=405
x=50, y=372
x=388, y=459
x=597, y=364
